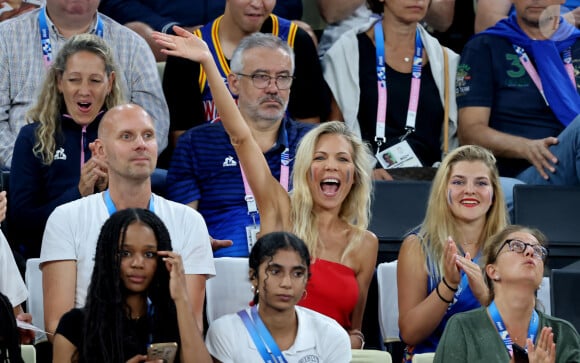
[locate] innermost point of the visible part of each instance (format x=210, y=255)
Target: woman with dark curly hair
x=137, y=296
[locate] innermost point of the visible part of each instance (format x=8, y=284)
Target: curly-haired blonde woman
x=52, y=160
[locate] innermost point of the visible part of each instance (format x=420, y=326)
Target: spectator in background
x=144, y=16
x=489, y=12
x=186, y=90
x=518, y=96
x=126, y=144
x=137, y=296
x=413, y=72
x=205, y=172
x=53, y=161
x=437, y=271
x=511, y=328
x=25, y=59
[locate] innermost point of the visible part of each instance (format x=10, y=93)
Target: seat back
x=565, y=294
x=28, y=353
x=423, y=358
x=544, y=295
x=370, y=356
x=388, y=301
x=397, y=207
x=33, y=279
x=554, y=211
x=230, y=290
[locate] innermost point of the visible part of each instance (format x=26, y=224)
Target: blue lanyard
x=45, y=35
x=111, y=206
x=262, y=337
x=501, y=329
x=382, y=85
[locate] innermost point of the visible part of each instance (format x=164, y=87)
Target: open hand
x=184, y=44
x=545, y=349
x=537, y=152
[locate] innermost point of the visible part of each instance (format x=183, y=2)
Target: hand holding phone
x=163, y=351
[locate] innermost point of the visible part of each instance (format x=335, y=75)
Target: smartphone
x=164, y=351
x=520, y=354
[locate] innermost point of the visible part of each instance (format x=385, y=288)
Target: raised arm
x=193, y=348
x=272, y=199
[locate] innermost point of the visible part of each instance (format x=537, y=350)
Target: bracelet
x=359, y=335
x=441, y=297
x=448, y=286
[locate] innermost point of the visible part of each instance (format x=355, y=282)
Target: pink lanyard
x=529, y=67
x=382, y=86
x=284, y=177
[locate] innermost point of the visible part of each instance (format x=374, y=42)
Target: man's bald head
x=117, y=114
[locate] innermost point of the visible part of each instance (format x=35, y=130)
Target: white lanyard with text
x=45, y=35
x=529, y=67
x=501, y=329
x=284, y=177
x=382, y=85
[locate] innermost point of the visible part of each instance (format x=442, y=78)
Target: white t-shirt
x=319, y=339
x=11, y=283
x=72, y=231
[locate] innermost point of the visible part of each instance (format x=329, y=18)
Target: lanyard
x=45, y=35
x=501, y=329
x=529, y=67
x=262, y=338
x=111, y=206
x=284, y=177
x=382, y=85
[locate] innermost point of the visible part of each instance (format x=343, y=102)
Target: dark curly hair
x=267, y=246
x=9, y=336
x=106, y=309
x=376, y=6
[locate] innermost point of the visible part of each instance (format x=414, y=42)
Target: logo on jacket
x=59, y=154
x=229, y=161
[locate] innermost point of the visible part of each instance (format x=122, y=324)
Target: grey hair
x=258, y=40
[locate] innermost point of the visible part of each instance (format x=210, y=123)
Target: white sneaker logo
x=229, y=161
x=59, y=154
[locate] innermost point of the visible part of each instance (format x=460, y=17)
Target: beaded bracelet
x=441, y=297
x=448, y=286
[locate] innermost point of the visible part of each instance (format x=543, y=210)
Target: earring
x=496, y=278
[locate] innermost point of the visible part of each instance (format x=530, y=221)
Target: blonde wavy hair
x=47, y=110
x=439, y=222
x=355, y=209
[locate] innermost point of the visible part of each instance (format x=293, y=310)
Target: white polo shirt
x=319, y=339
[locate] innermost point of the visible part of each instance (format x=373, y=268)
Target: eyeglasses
x=261, y=80
x=515, y=245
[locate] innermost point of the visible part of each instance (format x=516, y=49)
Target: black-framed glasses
x=262, y=80
x=515, y=245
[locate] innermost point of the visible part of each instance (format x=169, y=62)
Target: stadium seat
x=397, y=207
x=565, y=294
x=554, y=211
x=370, y=356
x=230, y=290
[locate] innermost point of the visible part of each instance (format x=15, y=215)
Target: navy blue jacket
x=37, y=189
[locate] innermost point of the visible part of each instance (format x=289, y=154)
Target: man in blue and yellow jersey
x=188, y=96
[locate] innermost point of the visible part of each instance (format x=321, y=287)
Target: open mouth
x=330, y=186
x=469, y=202
x=84, y=106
